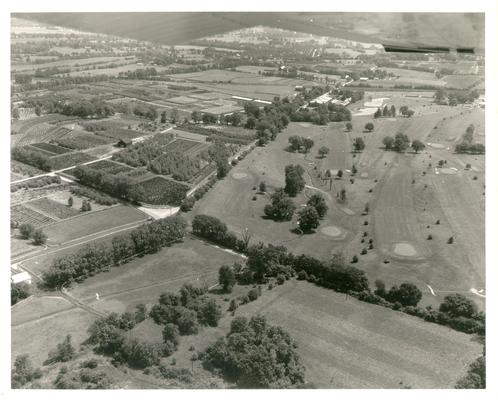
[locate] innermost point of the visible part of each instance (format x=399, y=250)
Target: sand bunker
x=364, y=111
x=332, y=231
x=404, y=250
x=305, y=124
x=375, y=102
x=239, y=175
x=347, y=211
x=364, y=175
x=448, y=171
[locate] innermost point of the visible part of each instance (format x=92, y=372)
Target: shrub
x=302, y=275
x=26, y=230
x=253, y=294
x=280, y=279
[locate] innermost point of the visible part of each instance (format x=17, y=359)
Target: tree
x=38, y=110
x=349, y=126
x=388, y=142
x=163, y=117
x=340, y=174
x=281, y=208
x=15, y=113
x=308, y=144
x=62, y=353
x=401, y=142
x=469, y=134
x=171, y=334
x=174, y=115
x=377, y=113
x=475, y=377
x=294, y=181
x=226, y=278
x=196, y=116
x=323, y=151
x=407, y=294
x=70, y=201
x=417, y=145
x=369, y=126
x=318, y=202
x=222, y=168
x=385, y=111
x=358, y=144
x=39, y=237
x=18, y=292
x=262, y=186
x=26, y=230
x=295, y=142
x=308, y=219
x=393, y=111
x=457, y=305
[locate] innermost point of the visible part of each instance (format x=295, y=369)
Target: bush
x=253, y=294
x=302, y=275
x=26, y=230
x=64, y=352
x=280, y=279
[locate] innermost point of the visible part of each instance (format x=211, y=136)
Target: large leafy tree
x=256, y=355
x=281, y=208
x=308, y=219
x=457, y=305
x=318, y=202
x=294, y=181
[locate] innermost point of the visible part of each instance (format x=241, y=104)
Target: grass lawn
x=142, y=280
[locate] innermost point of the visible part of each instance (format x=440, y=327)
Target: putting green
x=239, y=175
x=332, y=231
x=405, y=250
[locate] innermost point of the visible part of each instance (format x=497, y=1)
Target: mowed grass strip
x=345, y=343
x=92, y=223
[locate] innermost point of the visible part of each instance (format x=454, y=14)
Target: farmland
x=380, y=276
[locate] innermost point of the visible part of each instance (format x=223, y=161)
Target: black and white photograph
x=263, y=199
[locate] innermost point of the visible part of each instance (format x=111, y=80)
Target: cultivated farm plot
x=143, y=279
x=345, y=343
x=68, y=160
x=52, y=148
x=462, y=81
x=80, y=140
x=90, y=223
x=120, y=133
x=53, y=208
x=110, y=167
x=161, y=191
x=24, y=215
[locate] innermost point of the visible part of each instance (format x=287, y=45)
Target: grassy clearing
x=142, y=280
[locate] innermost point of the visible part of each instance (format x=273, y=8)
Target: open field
x=350, y=344
x=143, y=279
x=37, y=337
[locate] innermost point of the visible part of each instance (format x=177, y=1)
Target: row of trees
x=467, y=146
x=265, y=261
x=95, y=258
x=400, y=142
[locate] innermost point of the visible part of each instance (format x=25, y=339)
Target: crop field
x=22, y=126
x=66, y=63
x=79, y=140
x=24, y=215
x=142, y=280
x=462, y=81
x=345, y=343
x=161, y=191
x=43, y=132
x=53, y=208
x=110, y=167
x=185, y=146
x=93, y=222
x=119, y=133
x=68, y=160
x=52, y=148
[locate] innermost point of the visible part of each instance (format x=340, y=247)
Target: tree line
x=266, y=260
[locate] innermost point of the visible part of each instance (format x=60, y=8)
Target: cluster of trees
x=188, y=203
x=358, y=144
x=281, y=208
x=309, y=217
x=346, y=93
x=400, y=142
x=18, y=292
x=212, y=229
x=82, y=108
x=183, y=313
x=296, y=143
x=117, y=185
x=32, y=157
x=96, y=196
x=28, y=231
x=95, y=258
x=255, y=354
x=86, y=376
x=475, y=378
x=385, y=112
x=265, y=261
x=267, y=121
x=23, y=372
x=455, y=97
x=467, y=146
x=62, y=353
